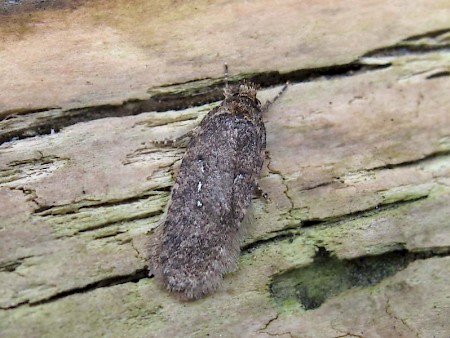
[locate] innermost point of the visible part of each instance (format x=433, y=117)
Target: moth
x=199, y=239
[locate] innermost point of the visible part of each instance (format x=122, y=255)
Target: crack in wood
x=360, y=213
x=418, y=44
x=438, y=75
x=11, y=266
x=413, y=162
x=73, y=208
x=297, y=229
x=133, y=277
x=130, y=219
x=28, y=169
x=165, y=98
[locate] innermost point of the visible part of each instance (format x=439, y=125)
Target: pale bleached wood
x=358, y=166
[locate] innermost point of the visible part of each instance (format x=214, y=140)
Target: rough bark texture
x=355, y=239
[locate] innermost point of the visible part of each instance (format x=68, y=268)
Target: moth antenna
x=227, y=90
x=270, y=102
x=225, y=74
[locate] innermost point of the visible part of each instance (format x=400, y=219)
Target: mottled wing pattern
x=201, y=235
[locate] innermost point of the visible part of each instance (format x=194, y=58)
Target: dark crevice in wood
x=171, y=97
x=438, y=75
x=11, y=266
x=14, y=7
x=431, y=34
x=360, y=214
x=413, y=162
x=25, y=302
x=55, y=210
x=278, y=236
x=296, y=230
x=9, y=114
x=312, y=222
x=133, y=277
x=412, y=45
x=401, y=50
x=130, y=219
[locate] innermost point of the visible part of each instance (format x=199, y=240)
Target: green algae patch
x=328, y=276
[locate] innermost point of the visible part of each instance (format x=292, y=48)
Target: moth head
x=248, y=89
x=245, y=89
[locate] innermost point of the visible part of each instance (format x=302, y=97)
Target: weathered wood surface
x=356, y=236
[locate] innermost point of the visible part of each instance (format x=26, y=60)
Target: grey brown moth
x=199, y=239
